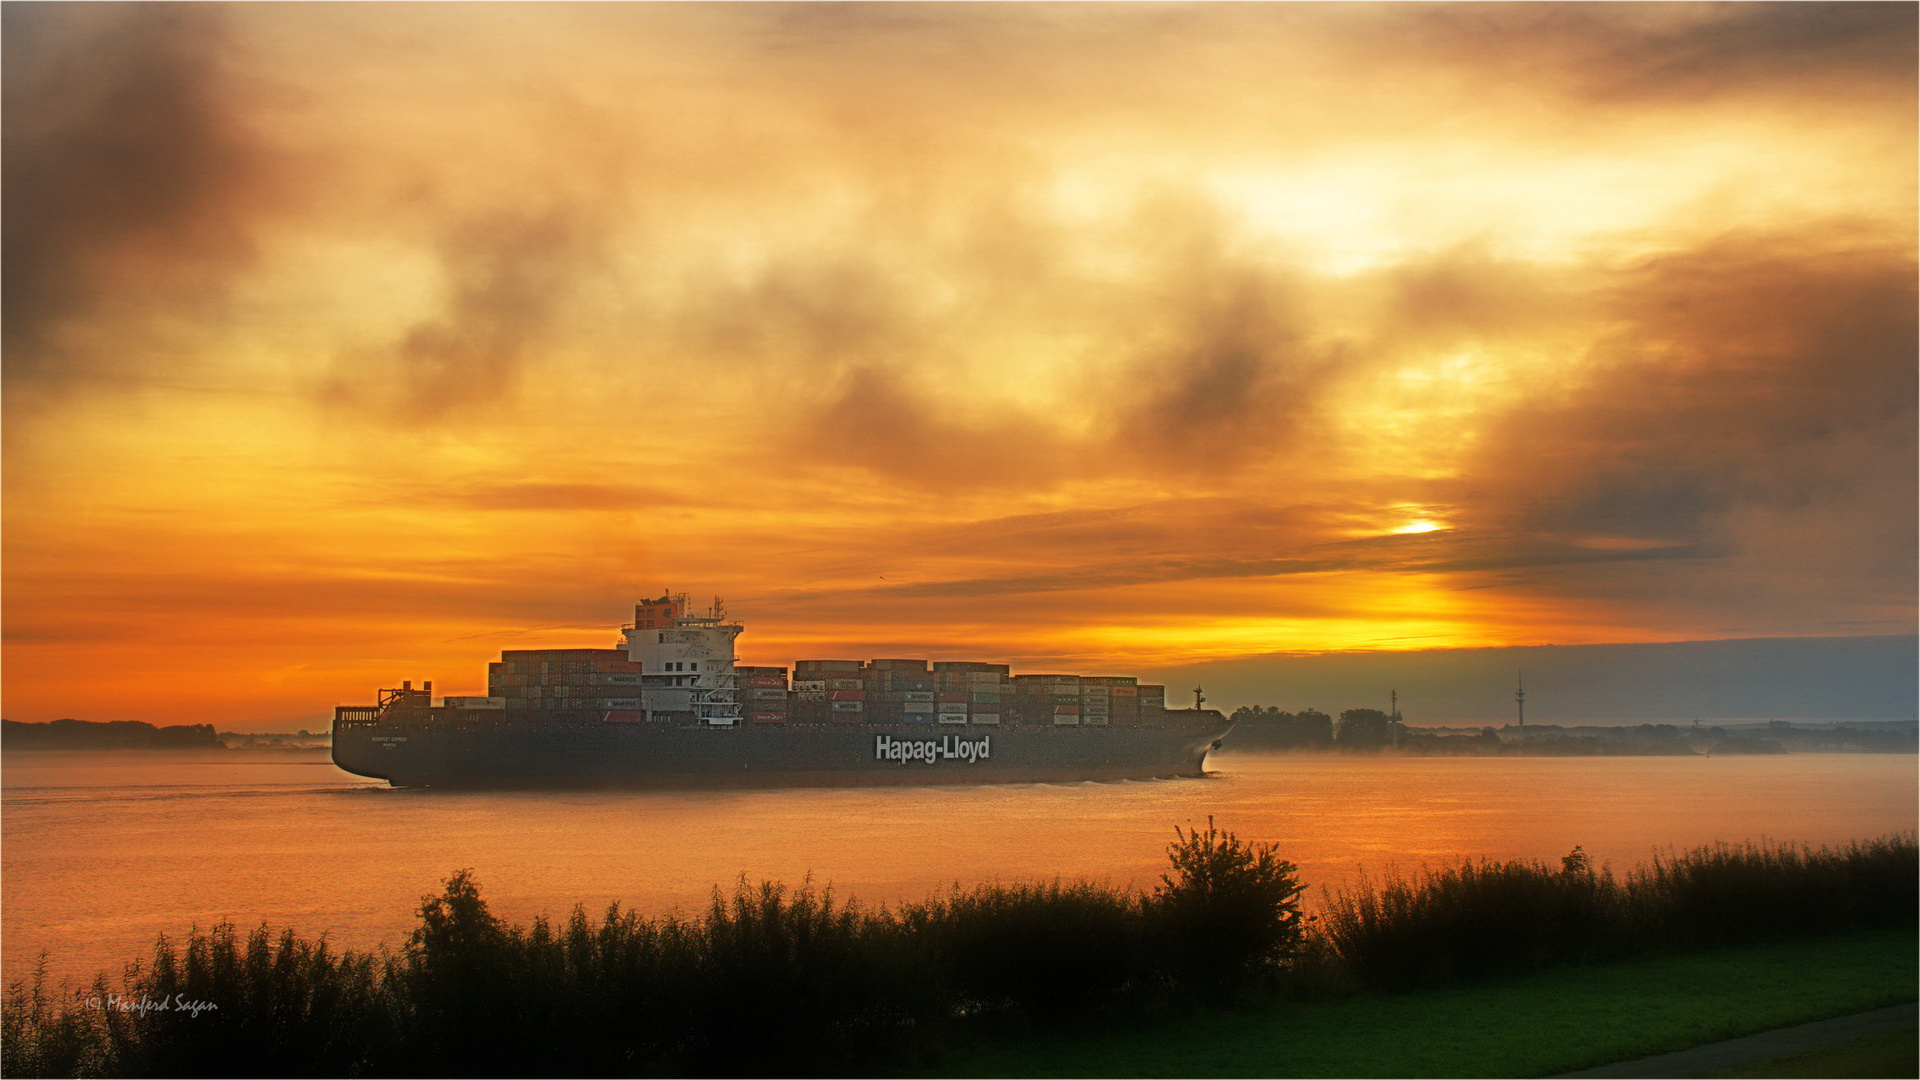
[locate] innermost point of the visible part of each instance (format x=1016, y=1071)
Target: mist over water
x=103, y=851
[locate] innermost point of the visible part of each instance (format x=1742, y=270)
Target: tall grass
x=773, y=980
x=1492, y=917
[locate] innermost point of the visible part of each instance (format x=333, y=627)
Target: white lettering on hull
x=933, y=751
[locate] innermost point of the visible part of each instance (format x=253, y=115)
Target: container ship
x=670, y=708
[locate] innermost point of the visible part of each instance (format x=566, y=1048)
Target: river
x=102, y=851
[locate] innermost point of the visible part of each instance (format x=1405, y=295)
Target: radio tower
x=1520, y=697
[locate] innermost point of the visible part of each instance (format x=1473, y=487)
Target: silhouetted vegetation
x=69, y=734
x=1258, y=728
x=1495, y=917
x=777, y=981
x=769, y=980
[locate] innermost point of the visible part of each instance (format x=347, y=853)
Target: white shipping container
x=916, y=706
x=986, y=718
x=918, y=695
x=953, y=718
x=1064, y=720
x=1096, y=721
x=809, y=684
x=846, y=706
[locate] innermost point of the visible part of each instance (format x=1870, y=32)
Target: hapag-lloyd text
x=945, y=748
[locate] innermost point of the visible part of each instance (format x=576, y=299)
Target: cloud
x=129, y=177
x=1235, y=383
x=511, y=495
x=509, y=277
x=874, y=421
x=1768, y=374
x=1625, y=53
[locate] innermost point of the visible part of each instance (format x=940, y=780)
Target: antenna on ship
x=1520, y=697
x=1198, y=699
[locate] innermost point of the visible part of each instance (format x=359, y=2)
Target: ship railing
x=355, y=716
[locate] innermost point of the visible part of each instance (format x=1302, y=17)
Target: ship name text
x=931, y=751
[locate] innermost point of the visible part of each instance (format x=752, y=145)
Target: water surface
x=102, y=851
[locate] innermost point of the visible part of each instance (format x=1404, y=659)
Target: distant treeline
x=1357, y=731
x=773, y=981
x=1268, y=729
x=110, y=735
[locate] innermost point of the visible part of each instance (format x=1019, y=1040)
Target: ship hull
x=658, y=756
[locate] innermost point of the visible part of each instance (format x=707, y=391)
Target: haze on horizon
x=353, y=343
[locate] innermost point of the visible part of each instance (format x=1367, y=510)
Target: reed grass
x=1490, y=918
x=775, y=980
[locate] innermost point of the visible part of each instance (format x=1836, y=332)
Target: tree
x=1231, y=910
x=1313, y=727
x=1364, y=729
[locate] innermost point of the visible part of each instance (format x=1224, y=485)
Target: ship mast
x=1520, y=697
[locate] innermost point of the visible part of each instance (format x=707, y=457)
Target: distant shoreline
x=70, y=734
x=1368, y=731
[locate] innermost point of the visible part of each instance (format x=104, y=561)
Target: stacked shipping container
x=886, y=691
x=971, y=693
x=899, y=692
x=828, y=691
x=762, y=693
x=599, y=679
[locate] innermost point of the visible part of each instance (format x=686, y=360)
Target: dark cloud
x=873, y=420
x=128, y=176
x=1630, y=52
x=1769, y=45
x=1772, y=371
x=509, y=276
x=1236, y=385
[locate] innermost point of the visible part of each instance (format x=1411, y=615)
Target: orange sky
x=353, y=343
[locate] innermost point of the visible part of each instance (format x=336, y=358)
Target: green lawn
x=1534, y=1025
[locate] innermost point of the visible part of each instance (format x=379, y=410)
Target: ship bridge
x=686, y=660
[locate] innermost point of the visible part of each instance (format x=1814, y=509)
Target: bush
x=1229, y=911
x=1477, y=920
x=1049, y=950
x=1494, y=917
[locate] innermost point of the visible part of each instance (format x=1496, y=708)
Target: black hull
x=656, y=756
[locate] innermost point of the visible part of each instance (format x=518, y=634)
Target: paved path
x=1754, y=1049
